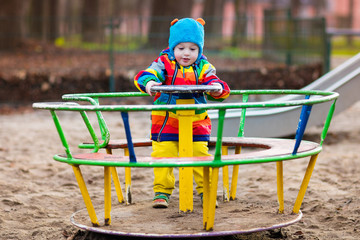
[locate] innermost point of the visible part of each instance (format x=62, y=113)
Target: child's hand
x=217, y=93
x=149, y=85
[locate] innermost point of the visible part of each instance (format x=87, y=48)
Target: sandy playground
x=38, y=195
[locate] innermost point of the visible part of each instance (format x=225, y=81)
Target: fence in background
x=241, y=37
x=295, y=40
x=278, y=37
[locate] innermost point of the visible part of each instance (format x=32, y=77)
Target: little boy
x=182, y=63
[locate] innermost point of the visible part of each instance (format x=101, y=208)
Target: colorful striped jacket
x=169, y=72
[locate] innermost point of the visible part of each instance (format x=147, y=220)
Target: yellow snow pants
x=164, y=179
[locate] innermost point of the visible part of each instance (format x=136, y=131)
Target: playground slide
x=279, y=122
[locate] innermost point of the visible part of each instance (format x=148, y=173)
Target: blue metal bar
x=125, y=117
x=304, y=117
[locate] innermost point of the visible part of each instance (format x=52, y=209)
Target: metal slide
x=279, y=122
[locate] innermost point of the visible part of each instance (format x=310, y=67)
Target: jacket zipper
x=196, y=74
x=168, y=102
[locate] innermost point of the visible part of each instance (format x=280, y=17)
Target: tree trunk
x=10, y=24
x=92, y=29
x=350, y=22
x=43, y=23
x=213, y=14
x=240, y=32
x=52, y=30
x=35, y=23
x=163, y=12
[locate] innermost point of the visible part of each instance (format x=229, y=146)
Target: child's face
x=186, y=53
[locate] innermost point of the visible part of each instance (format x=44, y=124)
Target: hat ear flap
x=201, y=21
x=174, y=21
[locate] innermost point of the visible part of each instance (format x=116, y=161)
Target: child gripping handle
x=182, y=63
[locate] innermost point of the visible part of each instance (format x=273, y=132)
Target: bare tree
x=213, y=14
x=10, y=27
x=92, y=25
x=163, y=12
x=350, y=21
x=44, y=20
x=241, y=7
x=35, y=26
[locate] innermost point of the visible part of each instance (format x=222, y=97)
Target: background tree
x=163, y=12
x=350, y=21
x=240, y=23
x=92, y=24
x=10, y=24
x=213, y=13
x=44, y=20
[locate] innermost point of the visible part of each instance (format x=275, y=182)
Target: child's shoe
x=161, y=200
x=201, y=198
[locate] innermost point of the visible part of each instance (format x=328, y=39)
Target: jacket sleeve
x=208, y=74
x=155, y=72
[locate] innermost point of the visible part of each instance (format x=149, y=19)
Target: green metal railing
x=271, y=149
x=314, y=97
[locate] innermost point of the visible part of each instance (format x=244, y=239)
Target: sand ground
x=38, y=195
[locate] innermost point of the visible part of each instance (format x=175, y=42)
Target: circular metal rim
x=323, y=97
x=213, y=233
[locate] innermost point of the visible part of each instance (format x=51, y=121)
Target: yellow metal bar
x=117, y=185
x=206, y=194
x=128, y=197
x=209, y=225
x=235, y=175
x=186, y=190
x=280, y=186
x=107, y=195
x=305, y=183
x=226, y=188
x=116, y=180
x=185, y=150
x=128, y=194
x=85, y=195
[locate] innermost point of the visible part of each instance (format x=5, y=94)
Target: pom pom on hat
x=187, y=30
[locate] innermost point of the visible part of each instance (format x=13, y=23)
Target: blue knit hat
x=186, y=30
